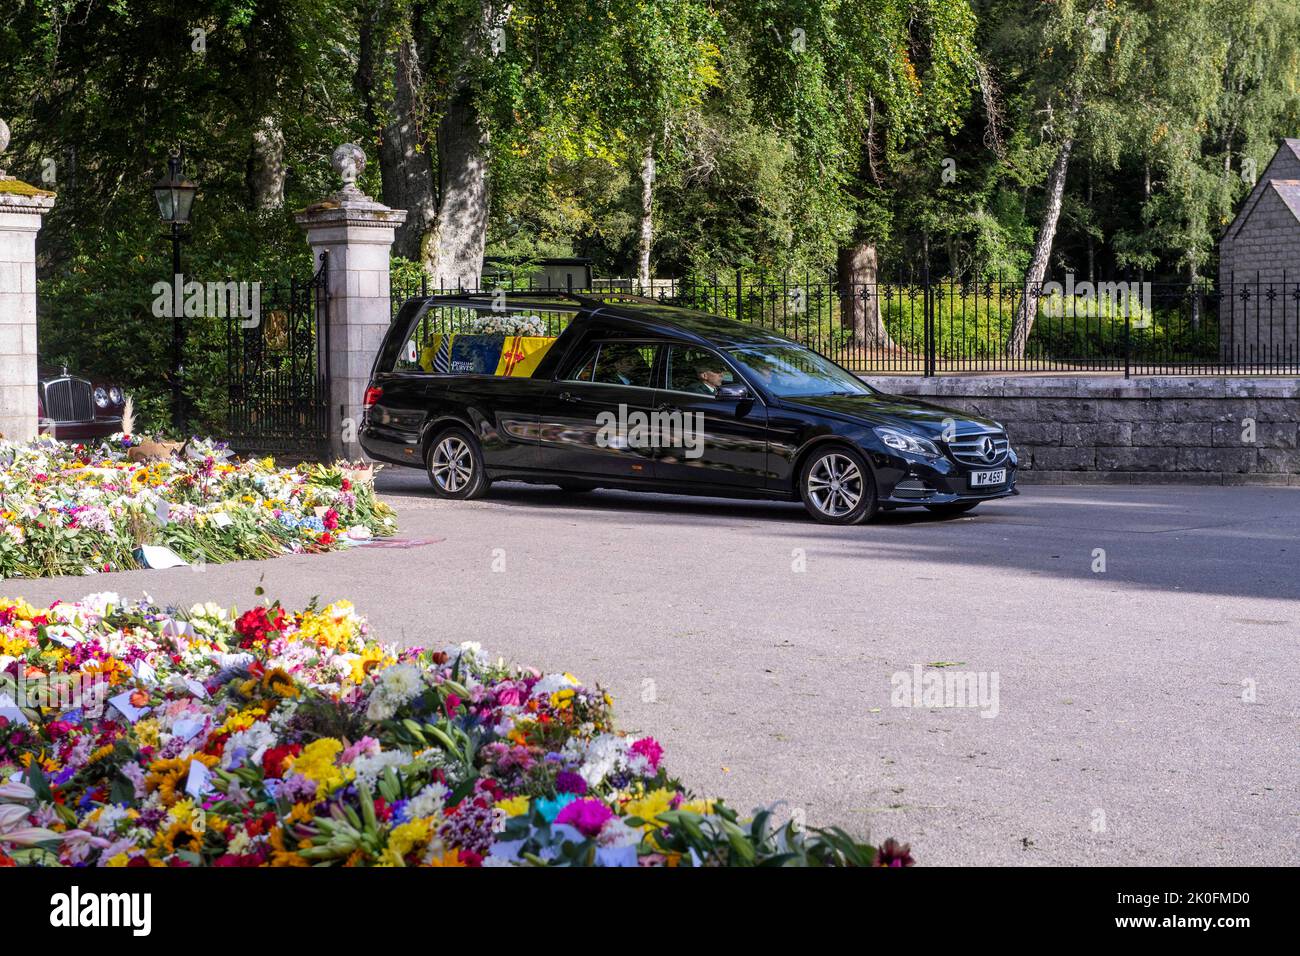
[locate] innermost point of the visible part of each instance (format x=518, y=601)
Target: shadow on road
x=1239, y=541
x=608, y=501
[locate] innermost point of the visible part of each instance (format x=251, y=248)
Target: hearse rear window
x=450, y=339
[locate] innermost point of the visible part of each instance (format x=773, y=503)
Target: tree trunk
x=1027, y=310
x=1194, y=291
x=858, y=274
x=1146, y=198
x=266, y=171
x=463, y=193
x=647, y=219
x=1092, y=241
x=1227, y=148
x=404, y=158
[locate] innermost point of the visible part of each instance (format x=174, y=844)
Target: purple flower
x=894, y=854
x=566, y=781
x=297, y=788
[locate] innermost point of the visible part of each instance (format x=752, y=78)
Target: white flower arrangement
x=396, y=686
x=531, y=325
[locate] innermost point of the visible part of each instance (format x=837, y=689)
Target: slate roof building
x=1259, y=267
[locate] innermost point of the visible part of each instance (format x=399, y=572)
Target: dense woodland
x=1108, y=138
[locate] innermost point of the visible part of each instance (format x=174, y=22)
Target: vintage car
x=641, y=395
x=72, y=408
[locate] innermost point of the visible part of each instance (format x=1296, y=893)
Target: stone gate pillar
x=22, y=207
x=356, y=233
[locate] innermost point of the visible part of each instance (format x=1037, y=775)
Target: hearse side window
x=584, y=369
x=617, y=363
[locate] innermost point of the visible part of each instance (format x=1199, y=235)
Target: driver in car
x=710, y=376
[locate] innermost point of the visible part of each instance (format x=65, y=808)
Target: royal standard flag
x=522, y=354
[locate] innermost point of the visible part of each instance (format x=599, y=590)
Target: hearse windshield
x=789, y=370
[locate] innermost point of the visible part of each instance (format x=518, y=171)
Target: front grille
x=69, y=400
x=969, y=449
x=912, y=488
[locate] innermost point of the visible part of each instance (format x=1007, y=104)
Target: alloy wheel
x=452, y=464
x=835, y=485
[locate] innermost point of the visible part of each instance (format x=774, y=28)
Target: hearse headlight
x=115, y=395
x=907, y=443
x=101, y=396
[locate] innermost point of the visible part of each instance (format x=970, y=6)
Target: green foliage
x=97, y=96
x=783, y=132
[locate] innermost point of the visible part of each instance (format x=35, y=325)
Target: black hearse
x=621, y=392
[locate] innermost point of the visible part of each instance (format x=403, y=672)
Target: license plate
x=983, y=479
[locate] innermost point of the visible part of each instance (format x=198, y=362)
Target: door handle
x=569, y=397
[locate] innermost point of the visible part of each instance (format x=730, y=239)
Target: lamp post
x=175, y=197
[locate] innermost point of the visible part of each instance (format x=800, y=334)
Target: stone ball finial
x=349, y=161
x=4, y=136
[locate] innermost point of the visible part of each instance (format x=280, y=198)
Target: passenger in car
x=631, y=368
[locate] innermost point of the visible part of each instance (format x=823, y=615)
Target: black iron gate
x=277, y=371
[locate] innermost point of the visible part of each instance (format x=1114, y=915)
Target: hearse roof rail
x=589, y=299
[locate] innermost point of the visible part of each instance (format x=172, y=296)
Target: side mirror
x=735, y=393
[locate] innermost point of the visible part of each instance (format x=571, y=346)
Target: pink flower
x=367, y=746
x=586, y=816
x=649, y=748
x=510, y=696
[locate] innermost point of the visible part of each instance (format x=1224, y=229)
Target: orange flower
x=451, y=858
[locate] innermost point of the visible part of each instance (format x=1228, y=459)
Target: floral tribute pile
x=133, y=735
x=82, y=509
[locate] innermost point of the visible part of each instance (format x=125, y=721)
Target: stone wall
x=1109, y=429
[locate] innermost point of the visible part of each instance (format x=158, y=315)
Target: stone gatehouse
x=1259, y=267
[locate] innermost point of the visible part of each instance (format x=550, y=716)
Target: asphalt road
x=1144, y=714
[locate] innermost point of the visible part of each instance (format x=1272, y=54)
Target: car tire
x=954, y=509
x=837, y=486
x=454, y=464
